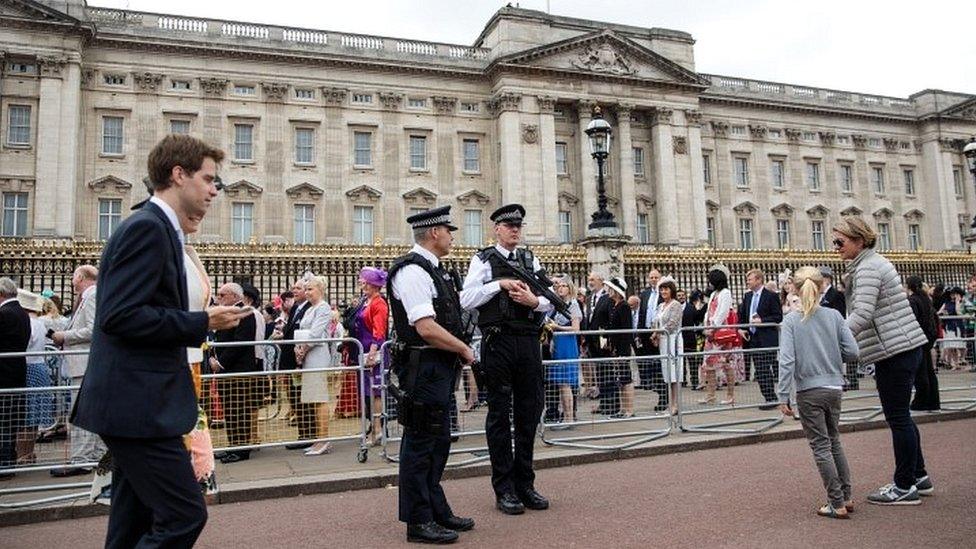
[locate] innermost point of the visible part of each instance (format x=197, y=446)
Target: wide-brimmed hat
x=30, y=301
x=617, y=284
x=373, y=276
x=722, y=268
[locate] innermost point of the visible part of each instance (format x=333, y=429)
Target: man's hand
x=58, y=338
x=223, y=317
x=215, y=365
x=466, y=356
x=755, y=320
x=509, y=284
x=785, y=409
x=522, y=295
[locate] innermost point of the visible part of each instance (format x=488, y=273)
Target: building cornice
x=804, y=109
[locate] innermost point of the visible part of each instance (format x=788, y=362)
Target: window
x=179, y=126
x=304, y=93
x=774, y=134
x=562, y=168
x=112, y=135
x=565, y=227
x=243, y=142
x=469, y=107
x=874, y=142
x=304, y=146
x=180, y=85
x=782, y=233
x=18, y=125
x=905, y=145
x=362, y=98
x=741, y=171
x=877, y=178
x=738, y=130
x=914, y=237
x=809, y=136
x=710, y=230
x=909, y=176
x=957, y=181
x=418, y=152
x=707, y=169
x=745, y=234
x=114, y=79
x=639, y=161
x=813, y=176
x=14, y=214
x=846, y=178
x=472, y=156
x=473, y=234
x=778, y=172
x=817, y=234
x=417, y=103
x=843, y=140
x=243, y=89
x=362, y=225
x=884, y=236
x=643, y=234
x=363, y=149
x=21, y=68
x=109, y=216
x=304, y=224
x=242, y=222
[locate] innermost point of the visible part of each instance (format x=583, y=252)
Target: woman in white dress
x=668, y=319
x=315, y=385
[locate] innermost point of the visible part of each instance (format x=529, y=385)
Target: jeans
x=894, y=377
x=819, y=414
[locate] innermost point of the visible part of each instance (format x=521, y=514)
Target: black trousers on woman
x=926, y=383
x=894, y=377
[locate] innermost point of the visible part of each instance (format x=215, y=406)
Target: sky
x=893, y=47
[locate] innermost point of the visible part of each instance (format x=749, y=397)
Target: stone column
x=58, y=123
x=628, y=191
x=507, y=106
x=586, y=163
x=273, y=206
x=698, y=211
x=665, y=193
x=212, y=123
x=550, y=185
x=941, y=207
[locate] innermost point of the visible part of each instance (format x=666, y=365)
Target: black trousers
x=304, y=412
x=423, y=455
x=513, y=367
x=766, y=365
x=894, y=377
x=651, y=376
x=606, y=381
x=156, y=500
x=926, y=383
x=11, y=421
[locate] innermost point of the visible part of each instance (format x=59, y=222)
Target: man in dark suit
x=597, y=317
x=760, y=305
x=830, y=296
x=237, y=394
x=651, y=376
x=15, y=332
x=137, y=393
x=303, y=413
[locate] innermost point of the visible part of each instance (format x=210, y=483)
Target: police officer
x=510, y=317
x=427, y=323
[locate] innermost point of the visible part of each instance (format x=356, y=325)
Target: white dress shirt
x=415, y=289
x=171, y=215
x=479, y=288
x=651, y=313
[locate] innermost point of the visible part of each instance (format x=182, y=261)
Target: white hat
x=720, y=267
x=30, y=301
x=667, y=278
x=618, y=285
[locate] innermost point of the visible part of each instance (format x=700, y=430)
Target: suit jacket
x=138, y=382
x=287, y=359
x=78, y=334
x=835, y=300
x=15, y=333
x=619, y=318
x=596, y=318
x=769, y=310
x=237, y=360
x=645, y=339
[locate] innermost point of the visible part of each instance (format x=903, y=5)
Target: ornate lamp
x=600, y=134
x=970, y=153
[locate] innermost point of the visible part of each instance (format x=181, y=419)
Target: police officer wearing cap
x=510, y=317
x=427, y=325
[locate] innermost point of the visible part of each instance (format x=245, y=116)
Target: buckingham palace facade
x=334, y=137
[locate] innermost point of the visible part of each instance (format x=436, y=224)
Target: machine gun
x=537, y=285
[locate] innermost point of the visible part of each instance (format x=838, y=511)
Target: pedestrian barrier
x=622, y=387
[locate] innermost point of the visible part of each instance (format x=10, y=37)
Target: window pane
x=877, y=175
x=363, y=224
x=473, y=235
x=561, y=166
x=109, y=216
x=112, y=135
x=243, y=142
x=304, y=224
x=818, y=235
x=242, y=221
x=304, y=146
x=710, y=230
x=846, y=178
x=14, y=214
x=706, y=169
x=472, y=156
x=777, y=169
x=741, y=172
x=813, y=176
x=884, y=236
x=179, y=126
x=957, y=180
x=745, y=234
x=643, y=234
x=363, y=149
x=909, y=176
x=638, y=161
x=18, y=127
x=783, y=233
x=418, y=152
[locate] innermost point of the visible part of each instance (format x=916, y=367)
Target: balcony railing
x=725, y=85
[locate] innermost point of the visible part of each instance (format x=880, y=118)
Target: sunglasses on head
x=838, y=243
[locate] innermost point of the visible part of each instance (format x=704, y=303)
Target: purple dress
x=365, y=337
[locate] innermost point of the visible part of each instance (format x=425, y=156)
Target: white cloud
x=894, y=47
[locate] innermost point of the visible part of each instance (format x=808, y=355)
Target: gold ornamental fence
x=48, y=264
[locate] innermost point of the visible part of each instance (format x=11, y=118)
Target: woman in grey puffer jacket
x=879, y=315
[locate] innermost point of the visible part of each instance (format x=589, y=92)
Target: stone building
x=333, y=137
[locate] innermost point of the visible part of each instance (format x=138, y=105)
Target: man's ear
x=176, y=174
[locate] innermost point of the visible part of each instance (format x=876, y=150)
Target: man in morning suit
x=760, y=305
x=596, y=316
x=831, y=297
x=137, y=393
x=651, y=376
x=15, y=332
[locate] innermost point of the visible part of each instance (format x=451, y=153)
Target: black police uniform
x=511, y=356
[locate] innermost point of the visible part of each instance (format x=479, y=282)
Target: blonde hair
x=856, y=228
x=808, y=281
x=568, y=281
x=317, y=281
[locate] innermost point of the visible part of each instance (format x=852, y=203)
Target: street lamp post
x=970, y=152
x=600, y=132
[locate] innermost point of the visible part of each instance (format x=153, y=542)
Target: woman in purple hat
x=372, y=319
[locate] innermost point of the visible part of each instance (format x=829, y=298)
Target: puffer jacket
x=878, y=311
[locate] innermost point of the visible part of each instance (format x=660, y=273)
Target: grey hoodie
x=812, y=352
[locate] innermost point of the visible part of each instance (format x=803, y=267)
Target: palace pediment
x=304, y=191
x=243, y=188
x=110, y=182
x=603, y=54
x=420, y=196
x=34, y=11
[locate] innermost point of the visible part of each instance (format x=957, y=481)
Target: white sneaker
x=890, y=494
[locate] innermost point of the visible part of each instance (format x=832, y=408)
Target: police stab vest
x=447, y=307
x=501, y=310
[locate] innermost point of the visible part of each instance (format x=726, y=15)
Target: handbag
x=728, y=336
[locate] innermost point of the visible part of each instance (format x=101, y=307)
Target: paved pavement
x=761, y=495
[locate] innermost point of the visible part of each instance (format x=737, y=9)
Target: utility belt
x=505, y=329
x=418, y=416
